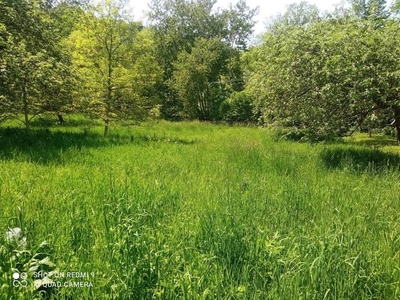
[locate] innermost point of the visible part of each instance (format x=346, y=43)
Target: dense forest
x=313, y=74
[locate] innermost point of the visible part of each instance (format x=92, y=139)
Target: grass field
x=195, y=211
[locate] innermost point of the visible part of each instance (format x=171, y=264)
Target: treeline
x=314, y=74
x=63, y=56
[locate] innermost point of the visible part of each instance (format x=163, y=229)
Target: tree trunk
x=61, y=119
x=26, y=119
x=109, y=89
x=106, y=126
x=25, y=101
x=397, y=123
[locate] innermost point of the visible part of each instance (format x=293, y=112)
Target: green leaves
x=327, y=77
x=369, y=9
x=197, y=76
x=115, y=60
x=179, y=25
x=35, y=74
x=238, y=108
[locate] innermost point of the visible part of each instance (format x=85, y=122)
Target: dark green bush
x=238, y=108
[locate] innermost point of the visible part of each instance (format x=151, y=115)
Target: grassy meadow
x=195, y=211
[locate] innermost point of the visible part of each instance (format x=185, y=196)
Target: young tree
x=36, y=83
x=104, y=54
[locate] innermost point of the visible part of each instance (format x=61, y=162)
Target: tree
x=290, y=85
x=238, y=24
x=115, y=70
x=297, y=14
x=179, y=23
x=36, y=83
x=197, y=77
x=35, y=72
x=327, y=77
x=384, y=75
x=369, y=9
x=5, y=46
x=66, y=14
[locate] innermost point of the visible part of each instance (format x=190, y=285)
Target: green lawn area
x=196, y=211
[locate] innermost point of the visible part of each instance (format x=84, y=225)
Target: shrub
x=238, y=108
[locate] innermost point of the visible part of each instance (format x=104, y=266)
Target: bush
x=238, y=108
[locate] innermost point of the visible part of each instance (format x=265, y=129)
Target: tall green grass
x=199, y=211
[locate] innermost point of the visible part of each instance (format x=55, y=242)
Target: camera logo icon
x=20, y=280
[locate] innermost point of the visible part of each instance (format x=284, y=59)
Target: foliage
x=327, y=77
x=35, y=72
x=370, y=9
x=67, y=14
x=238, y=108
x=297, y=14
x=179, y=24
x=17, y=258
x=197, y=77
x=147, y=74
x=36, y=84
x=110, y=63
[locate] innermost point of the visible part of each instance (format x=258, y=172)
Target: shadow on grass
x=374, y=141
x=47, y=122
x=360, y=159
x=44, y=146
